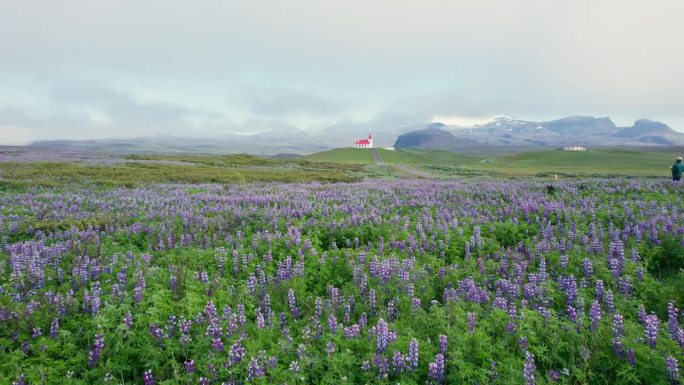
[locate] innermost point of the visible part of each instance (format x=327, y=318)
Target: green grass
x=338, y=165
x=582, y=163
x=363, y=156
x=414, y=157
x=342, y=155
x=205, y=169
x=599, y=162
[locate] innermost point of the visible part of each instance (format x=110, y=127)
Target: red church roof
x=365, y=141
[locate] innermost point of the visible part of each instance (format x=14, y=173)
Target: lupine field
x=469, y=281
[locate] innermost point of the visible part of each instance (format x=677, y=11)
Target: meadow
x=307, y=271
x=603, y=162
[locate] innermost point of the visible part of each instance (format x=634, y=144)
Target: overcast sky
x=125, y=68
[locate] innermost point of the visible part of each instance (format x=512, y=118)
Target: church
x=364, y=143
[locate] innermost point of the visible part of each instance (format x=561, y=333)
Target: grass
x=601, y=162
x=414, y=157
x=363, y=156
x=342, y=155
x=199, y=169
x=338, y=165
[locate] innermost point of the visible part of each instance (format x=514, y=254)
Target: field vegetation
x=148, y=271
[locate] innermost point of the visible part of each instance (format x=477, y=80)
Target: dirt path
x=376, y=157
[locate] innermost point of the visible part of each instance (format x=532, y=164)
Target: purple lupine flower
x=352, y=331
x=413, y=354
x=272, y=361
x=529, y=369
x=639, y=273
x=330, y=348
x=251, y=284
x=610, y=301
x=599, y=290
x=260, y=321
x=21, y=380
x=651, y=330
x=54, y=328
x=443, y=344
x=293, y=303
x=631, y=357
x=382, y=363
x=398, y=361
x=594, y=315
x=148, y=379
x=572, y=313
x=415, y=303
x=236, y=352
x=371, y=301
x=554, y=375
x=672, y=369
x=382, y=336
x=672, y=323
x=94, y=354
x=625, y=286
x=157, y=332
x=523, y=344
x=472, y=322
x=365, y=366
x=128, y=320
x=332, y=323
x=641, y=314
x=254, y=369
x=436, y=369
x=217, y=344
x=587, y=267
x=189, y=366
x=294, y=367
x=618, y=328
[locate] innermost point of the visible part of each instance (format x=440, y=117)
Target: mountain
x=650, y=132
x=428, y=138
x=513, y=133
x=502, y=133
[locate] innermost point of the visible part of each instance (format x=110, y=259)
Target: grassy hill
x=598, y=162
x=342, y=155
x=415, y=157
x=582, y=163
x=338, y=165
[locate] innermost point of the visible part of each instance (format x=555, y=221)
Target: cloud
x=120, y=108
x=290, y=102
x=145, y=66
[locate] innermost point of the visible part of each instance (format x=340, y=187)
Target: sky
x=83, y=69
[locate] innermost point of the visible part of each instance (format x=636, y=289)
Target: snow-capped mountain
x=512, y=132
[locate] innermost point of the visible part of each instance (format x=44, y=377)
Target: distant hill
x=506, y=132
x=503, y=134
x=429, y=138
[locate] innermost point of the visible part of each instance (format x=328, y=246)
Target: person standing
x=677, y=169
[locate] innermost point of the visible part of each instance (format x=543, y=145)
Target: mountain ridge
x=505, y=133
x=587, y=131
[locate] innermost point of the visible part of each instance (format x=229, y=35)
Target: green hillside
x=599, y=162
x=342, y=155
x=576, y=163
x=414, y=157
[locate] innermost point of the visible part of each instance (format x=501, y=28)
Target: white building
x=574, y=148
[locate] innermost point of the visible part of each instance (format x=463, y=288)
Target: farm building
x=574, y=148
